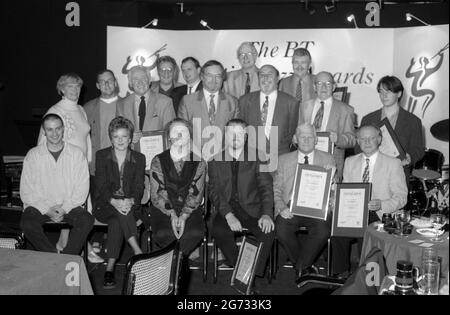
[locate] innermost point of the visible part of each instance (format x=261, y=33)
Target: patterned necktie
x=319, y=116
x=247, y=84
x=142, y=107
x=365, y=177
x=212, y=110
x=298, y=92
x=190, y=90
x=264, y=111
x=306, y=160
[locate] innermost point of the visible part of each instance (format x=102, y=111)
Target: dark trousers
x=120, y=227
x=303, y=252
x=341, y=247
x=226, y=239
x=163, y=235
x=78, y=218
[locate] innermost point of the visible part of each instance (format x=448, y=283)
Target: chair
x=155, y=273
x=11, y=240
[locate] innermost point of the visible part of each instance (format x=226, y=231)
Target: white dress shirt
x=301, y=157
x=372, y=161
x=193, y=87
x=326, y=112
x=270, y=110
x=208, y=99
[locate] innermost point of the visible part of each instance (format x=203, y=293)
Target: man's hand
x=333, y=137
x=181, y=224
x=406, y=161
x=266, y=224
x=286, y=214
x=233, y=223
x=137, y=135
x=56, y=213
x=119, y=205
x=174, y=221
x=374, y=205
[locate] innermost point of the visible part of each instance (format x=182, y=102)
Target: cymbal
x=440, y=130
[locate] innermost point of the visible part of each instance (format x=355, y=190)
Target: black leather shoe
x=311, y=270
x=109, y=281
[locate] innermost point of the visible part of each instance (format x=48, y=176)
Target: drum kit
x=430, y=177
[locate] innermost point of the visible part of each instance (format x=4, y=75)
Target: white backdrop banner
x=358, y=58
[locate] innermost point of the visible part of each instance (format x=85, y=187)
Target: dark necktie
x=190, y=90
x=264, y=111
x=298, y=92
x=319, y=116
x=247, y=84
x=142, y=108
x=306, y=160
x=212, y=110
x=365, y=177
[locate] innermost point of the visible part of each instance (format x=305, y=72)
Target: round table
x=400, y=248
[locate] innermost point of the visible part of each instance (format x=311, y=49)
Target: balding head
x=247, y=55
x=324, y=85
x=369, y=139
x=306, y=138
x=139, y=80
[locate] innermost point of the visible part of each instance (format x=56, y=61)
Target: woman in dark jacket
x=119, y=183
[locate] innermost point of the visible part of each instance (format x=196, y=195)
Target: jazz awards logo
x=419, y=71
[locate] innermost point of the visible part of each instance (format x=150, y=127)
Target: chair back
x=155, y=273
x=11, y=241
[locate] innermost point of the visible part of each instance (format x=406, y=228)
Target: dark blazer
x=2, y=172
x=107, y=176
x=178, y=93
x=255, y=188
x=285, y=116
x=408, y=130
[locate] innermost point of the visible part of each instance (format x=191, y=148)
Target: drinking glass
x=429, y=285
x=438, y=221
x=403, y=217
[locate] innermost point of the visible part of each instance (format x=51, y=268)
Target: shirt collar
x=271, y=95
x=109, y=100
x=301, y=157
x=208, y=95
x=372, y=158
x=327, y=102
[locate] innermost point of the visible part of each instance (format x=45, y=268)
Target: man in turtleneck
x=101, y=110
x=244, y=80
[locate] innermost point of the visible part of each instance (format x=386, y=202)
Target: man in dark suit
x=302, y=254
x=2, y=172
x=328, y=114
x=190, y=68
x=406, y=125
x=243, y=194
x=270, y=108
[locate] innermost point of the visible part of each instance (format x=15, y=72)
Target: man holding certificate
x=302, y=254
x=389, y=191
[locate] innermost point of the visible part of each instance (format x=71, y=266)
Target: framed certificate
x=311, y=191
x=244, y=271
x=324, y=143
x=351, y=212
x=340, y=93
x=390, y=144
x=151, y=144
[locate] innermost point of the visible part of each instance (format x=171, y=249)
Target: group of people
x=98, y=141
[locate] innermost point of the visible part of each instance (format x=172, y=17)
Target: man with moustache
x=190, y=68
x=270, y=108
x=54, y=186
x=328, y=114
x=147, y=110
x=101, y=110
x=244, y=80
x=301, y=83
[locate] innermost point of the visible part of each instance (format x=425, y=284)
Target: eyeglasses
x=103, y=83
x=211, y=77
x=266, y=75
x=166, y=69
x=139, y=81
x=325, y=84
x=242, y=55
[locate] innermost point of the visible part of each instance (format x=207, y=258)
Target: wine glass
x=403, y=217
x=438, y=221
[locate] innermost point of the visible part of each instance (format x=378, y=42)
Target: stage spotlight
x=351, y=18
x=329, y=8
x=153, y=22
x=409, y=17
x=205, y=25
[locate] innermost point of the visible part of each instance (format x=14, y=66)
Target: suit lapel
x=202, y=109
x=151, y=109
x=378, y=168
x=308, y=107
x=401, y=120
x=358, y=169
x=222, y=110
x=333, y=118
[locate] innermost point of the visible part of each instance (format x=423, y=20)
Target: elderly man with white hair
x=244, y=80
x=147, y=110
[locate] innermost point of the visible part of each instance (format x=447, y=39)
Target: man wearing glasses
x=330, y=115
x=147, y=110
x=101, y=110
x=210, y=105
x=168, y=72
x=244, y=80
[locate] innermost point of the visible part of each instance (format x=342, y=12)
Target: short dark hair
x=120, y=122
x=299, y=52
x=176, y=69
x=105, y=71
x=51, y=116
x=210, y=63
x=180, y=121
x=194, y=61
x=374, y=126
x=277, y=73
x=391, y=83
x=237, y=121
